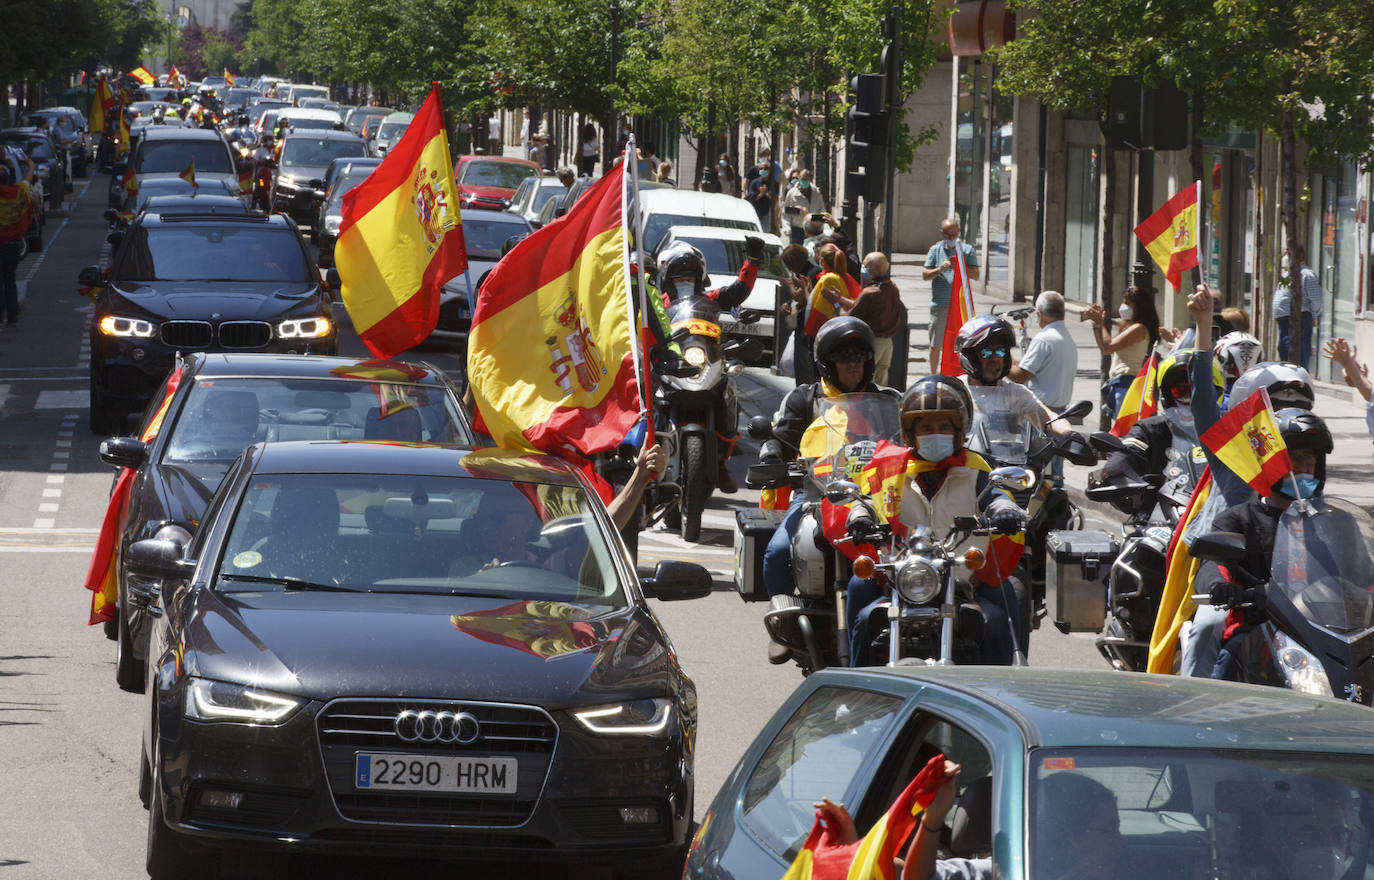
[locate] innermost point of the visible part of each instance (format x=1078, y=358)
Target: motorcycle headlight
x=695, y=356
x=115, y=325
x=223, y=701
x=304, y=328
x=640, y=717
x=1303, y=671
x=918, y=582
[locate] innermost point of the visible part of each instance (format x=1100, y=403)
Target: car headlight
x=286, y=180
x=332, y=224
x=695, y=356
x=918, y=582
x=1303, y=671
x=304, y=328
x=638, y=718
x=223, y=701
x=115, y=325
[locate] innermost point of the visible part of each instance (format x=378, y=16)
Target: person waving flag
x=960, y=312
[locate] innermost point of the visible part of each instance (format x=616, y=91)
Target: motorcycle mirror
x=1219, y=546
x=1014, y=478
x=1075, y=413
x=767, y=476
x=966, y=523
x=843, y=492
x=760, y=428
x=1106, y=443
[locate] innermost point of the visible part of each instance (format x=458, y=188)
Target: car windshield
x=503, y=174
x=37, y=148
x=298, y=92
x=213, y=253
x=222, y=416
x=392, y=128
x=257, y=110
x=239, y=98
x=657, y=225
x=726, y=257
x=302, y=123
x=390, y=533
x=1199, y=813
x=484, y=239
x=174, y=156
x=311, y=152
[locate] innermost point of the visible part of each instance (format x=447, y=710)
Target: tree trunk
x=1288, y=152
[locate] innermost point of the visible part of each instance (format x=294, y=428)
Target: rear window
x=392, y=128
x=36, y=148
x=502, y=174
x=297, y=122
x=314, y=152
x=161, y=157
x=214, y=253
x=657, y=225
x=485, y=239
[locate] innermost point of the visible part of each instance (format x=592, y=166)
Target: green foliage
x=49, y=39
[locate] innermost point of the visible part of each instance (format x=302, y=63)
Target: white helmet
x=1288, y=384
x=1237, y=352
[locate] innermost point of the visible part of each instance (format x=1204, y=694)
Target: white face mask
x=935, y=447
x=1126, y=312
x=685, y=289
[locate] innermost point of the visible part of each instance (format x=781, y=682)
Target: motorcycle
x=262, y=187
x=1153, y=505
x=1317, y=635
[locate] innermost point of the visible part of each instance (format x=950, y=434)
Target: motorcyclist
x=943, y=480
x=264, y=156
x=844, y=358
x=984, y=347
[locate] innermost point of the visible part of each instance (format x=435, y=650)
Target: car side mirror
x=674, y=581
x=91, y=276
x=129, y=452
x=331, y=277
x=159, y=559
x=1219, y=546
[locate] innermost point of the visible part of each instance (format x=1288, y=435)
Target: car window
x=396, y=533
x=727, y=257
x=392, y=129
x=161, y=157
x=216, y=253
x=502, y=174
x=342, y=186
x=318, y=152
x=484, y=239
x=817, y=754
x=543, y=194
x=657, y=225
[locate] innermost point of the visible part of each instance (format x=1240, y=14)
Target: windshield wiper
x=290, y=583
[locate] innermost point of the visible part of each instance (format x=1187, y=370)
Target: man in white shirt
x=1050, y=362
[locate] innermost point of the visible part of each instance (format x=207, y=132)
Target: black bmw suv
x=198, y=282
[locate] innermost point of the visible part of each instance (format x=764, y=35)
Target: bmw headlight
x=223, y=701
x=918, y=582
x=638, y=718
x=694, y=355
x=304, y=328
x=1303, y=670
x=116, y=325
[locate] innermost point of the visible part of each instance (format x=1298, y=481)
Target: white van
x=666, y=208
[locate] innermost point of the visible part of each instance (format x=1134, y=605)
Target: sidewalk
x=1348, y=467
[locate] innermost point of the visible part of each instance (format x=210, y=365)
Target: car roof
x=724, y=233
x=1086, y=708
x=191, y=203
x=686, y=201
x=365, y=457
x=176, y=133
x=399, y=116
x=332, y=134
x=496, y=217
x=296, y=366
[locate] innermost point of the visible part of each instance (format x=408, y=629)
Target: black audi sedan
x=413, y=649
x=198, y=282
x=219, y=404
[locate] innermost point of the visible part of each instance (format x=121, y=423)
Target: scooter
x=262, y=187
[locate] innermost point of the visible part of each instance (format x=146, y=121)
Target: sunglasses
x=852, y=356
x=993, y=353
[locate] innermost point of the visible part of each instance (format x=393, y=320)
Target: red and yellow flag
x=1173, y=234
x=246, y=180
x=1142, y=397
x=872, y=857
x=1176, y=601
x=142, y=75
x=129, y=180
x=229, y=78
x=550, y=354
x=1247, y=440
x=960, y=312
x=543, y=629
x=102, y=99
x=122, y=138
x=102, y=576
x=819, y=309
x=189, y=174
x=402, y=237
x=174, y=77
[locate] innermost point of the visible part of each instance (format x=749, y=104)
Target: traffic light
x=867, y=123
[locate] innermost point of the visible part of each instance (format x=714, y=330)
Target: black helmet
x=680, y=260
x=984, y=331
x=841, y=336
x=937, y=394
x=1303, y=429
x=1175, y=373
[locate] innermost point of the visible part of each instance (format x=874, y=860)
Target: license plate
x=435, y=773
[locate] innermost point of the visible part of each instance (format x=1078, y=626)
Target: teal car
x=1209, y=779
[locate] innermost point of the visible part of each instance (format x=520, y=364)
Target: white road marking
x=44, y=522
x=54, y=478
x=62, y=400
x=52, y=493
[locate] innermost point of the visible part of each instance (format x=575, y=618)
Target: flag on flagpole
x=551, y=354
x=174, y=77
x=1173, y=233
x=401, y=238
x=129, y=180
x=229, y=78
x=1247, y=440
x=189, y=174
x=142, y=75
x=1181, y=568
x=102, y=92
x=959, y=312
x=1142, y=397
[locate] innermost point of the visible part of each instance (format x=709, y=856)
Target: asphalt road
x=68, y=800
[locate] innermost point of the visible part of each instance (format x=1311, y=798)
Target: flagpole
x=629, y=188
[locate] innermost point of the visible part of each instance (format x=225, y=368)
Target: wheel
x=696, y=488
x=128, y=670
x=170, y=856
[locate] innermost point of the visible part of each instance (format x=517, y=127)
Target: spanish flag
x=102, y=576
x=819, y=309
x=872, y=857
x=142, y=75
x=550, y=354
x=189, y=174
x=229, y=78
x=1173, y=234
x=122, y=139
x=246, y=180
x=1247, y=440
x=1176, y=601
x=174, y=77
x=386, y=379
x=129, y=180
x=542, y=629
x=102, y=99
x=960, y=312
x=402, y=237
x=1141, y=400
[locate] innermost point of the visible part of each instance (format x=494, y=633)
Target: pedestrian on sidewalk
x=1050, y=362
x=591, y=150
x=16, y=214
x=761, y=196
x=797, y=285
x=879, y=305
x=1138, y=336
x=727, y=175
x=802, y=200
x=1311, y=306
x=494, y=134
x=939, y=271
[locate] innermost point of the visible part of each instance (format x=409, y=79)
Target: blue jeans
x=777, y=559
x=1305, y=348
x=1116, y=389
x=865, y=598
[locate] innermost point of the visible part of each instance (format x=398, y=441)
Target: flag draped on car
x=1173, y=234
x=143, y=75
x=1247, y=440
x=401, y=238
x=102, y=576
x=1141, y=400
x=959, y=313
x=129, y=180
x=873, y=856
x=551, y=354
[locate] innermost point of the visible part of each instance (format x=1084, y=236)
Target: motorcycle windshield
x=698, y=315
x=1002, y=437
x=846, y=433
x=1322, y=564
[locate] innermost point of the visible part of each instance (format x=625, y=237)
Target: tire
x=170, y=856
x=696, y=488
x=128, y=670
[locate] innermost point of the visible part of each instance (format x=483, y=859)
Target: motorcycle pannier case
x=753, y=528
x=1076, y=578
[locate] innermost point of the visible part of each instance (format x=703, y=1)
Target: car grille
x=525, y=733
x=187, y=334
x=245, y=334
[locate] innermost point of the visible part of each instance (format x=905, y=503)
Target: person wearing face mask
x=944, y=480
x=802, y=200
x=939, y=271
x=880, y=307
x=983, y=346
x=1132, y=342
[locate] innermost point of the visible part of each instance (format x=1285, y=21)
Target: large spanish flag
x=103, y=100
x=960, y=312
x=401, y=238
x=1247, y=440
x=1142, y=397
x=1173, y=234
x=142, y=75
x=550, y=356
x=1176, y=601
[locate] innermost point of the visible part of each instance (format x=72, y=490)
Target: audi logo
x=429, y=726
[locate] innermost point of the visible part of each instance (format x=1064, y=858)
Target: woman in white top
x=1133, y=341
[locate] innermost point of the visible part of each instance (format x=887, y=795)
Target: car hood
x=322, y=645
x=304, y=173
x=486, y=192
x=215, y=300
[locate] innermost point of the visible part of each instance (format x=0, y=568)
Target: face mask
x=1308, y=486
x=1126, y=312
x=865, y=274
x=804, y=186
x=935, y=447
x=685, y=289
